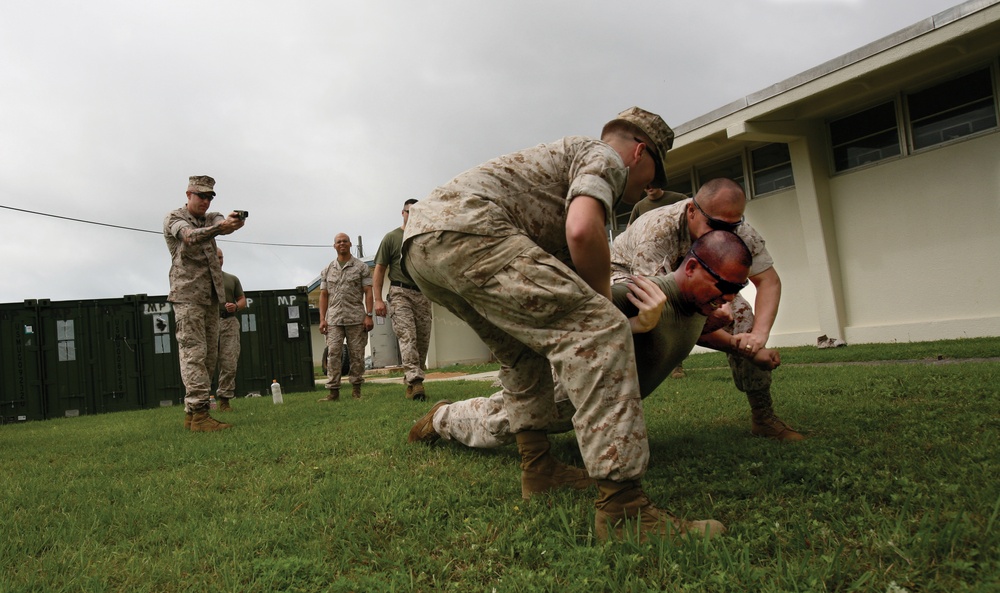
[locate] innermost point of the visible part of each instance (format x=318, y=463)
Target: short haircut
x=625, y=129
x=718, y=247
x=410, y=201
x=710, y=188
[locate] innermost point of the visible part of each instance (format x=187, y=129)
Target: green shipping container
x=275, y=342
x=67, y=357
x=161, y=371
x=115, y=369
x=21, y=390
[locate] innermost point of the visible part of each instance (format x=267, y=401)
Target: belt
x=226, y=315
x=402, y=285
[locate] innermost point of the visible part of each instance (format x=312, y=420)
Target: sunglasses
x=657, y=162
x=724, y=286
x=204, y=196
x=715, y=223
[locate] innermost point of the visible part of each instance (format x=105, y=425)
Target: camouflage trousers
x=229, y=355
x=482, y=422
x=410, y=312
x=751, y=380
x=198, y=346
x=539, y=318
x=357, y=339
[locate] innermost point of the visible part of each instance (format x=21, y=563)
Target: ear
x=637, y=152
x=689, y=210
x=689, y=267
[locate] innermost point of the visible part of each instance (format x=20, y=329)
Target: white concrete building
x=875, y=180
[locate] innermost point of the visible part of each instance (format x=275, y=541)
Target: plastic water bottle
x=212, y=403
x=276, y=392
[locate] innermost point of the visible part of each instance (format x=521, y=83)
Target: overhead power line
x=128, y=228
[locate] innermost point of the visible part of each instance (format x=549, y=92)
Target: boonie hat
x=658, y=131
x=201, y=184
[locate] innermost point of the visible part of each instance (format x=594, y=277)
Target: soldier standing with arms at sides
x=229, y=337
x=196, y=290
x=342, y=286
x=410, y=311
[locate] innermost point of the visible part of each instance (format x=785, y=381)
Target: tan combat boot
x=622, y=507
x=540, y=471
x=224, y=405
x=202, y=422
x=409, y=391
x=418, y=391
x=356, y=391
x=423, y=429
x=187, y=420
x=333, y=396
x=765, y=424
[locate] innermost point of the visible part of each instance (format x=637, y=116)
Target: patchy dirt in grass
x=433, y=376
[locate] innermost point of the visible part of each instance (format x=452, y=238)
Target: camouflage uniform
x=195, y=286
x=409, y=309
x=345, y=316
x=657, y=242
x=229, y=337
x=491, y=247
x=482, y=422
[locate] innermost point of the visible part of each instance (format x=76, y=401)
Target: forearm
x=378, y=278
x=369, y=300
x=593, y=265
x=720, y=340
x=324, y=302
x=193, y=236
x=588, y=244
x=766, y=303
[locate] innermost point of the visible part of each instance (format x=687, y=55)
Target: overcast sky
x=323, y=117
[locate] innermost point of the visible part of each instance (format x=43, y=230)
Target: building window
x=771, y=168
x=865, y=137
x=681, y=183
x=730, y=168
x=953, y=109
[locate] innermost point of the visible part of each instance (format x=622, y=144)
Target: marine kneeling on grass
x=667, y=315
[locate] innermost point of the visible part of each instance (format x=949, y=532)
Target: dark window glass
x=953, y=109
x=772, y=168
x=680, y=183
x=865, y=137
x=729, y=168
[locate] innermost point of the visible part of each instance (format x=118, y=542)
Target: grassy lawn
x=895, y=490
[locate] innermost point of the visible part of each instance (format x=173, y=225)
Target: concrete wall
x=919, y=241
x=917, y=238
x=454, y=342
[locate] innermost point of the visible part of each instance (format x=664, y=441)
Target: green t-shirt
x=645, y=205
x=233, y=288
x=388, y=256
x=660, y=350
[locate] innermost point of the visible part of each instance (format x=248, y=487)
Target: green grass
x=940, y=350
x=469, y=369
x=895, y=488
